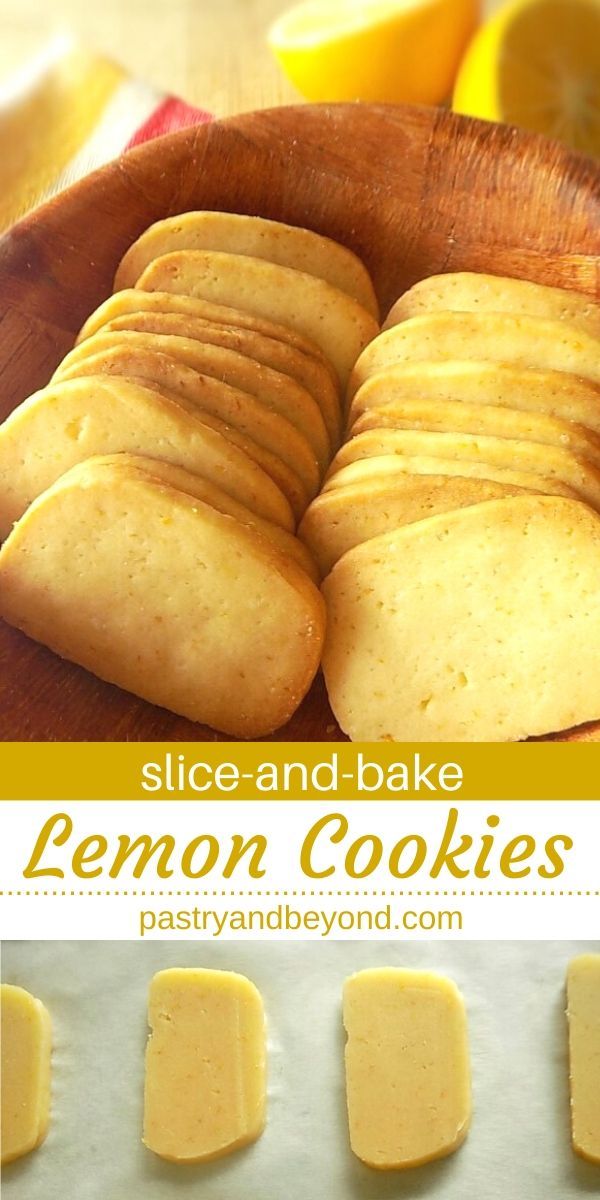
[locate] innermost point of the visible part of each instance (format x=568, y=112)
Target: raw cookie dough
x=26, y=1049
x=407, y=1067
x=205, y=1065
x=583, y=1008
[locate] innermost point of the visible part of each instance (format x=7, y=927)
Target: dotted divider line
x=530, y=893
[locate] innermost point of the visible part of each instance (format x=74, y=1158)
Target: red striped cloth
x=68, y=112
x=169, y=115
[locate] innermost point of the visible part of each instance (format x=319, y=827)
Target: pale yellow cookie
x=339, y=325
x=70, y=421
x=195, y=485
x=26, y=1048
x=204, y=394
x=392, y=467
x=408, y=1078
x=344, y=517
x=455, y=416
x=549, y=393
x=478, y=625
x=134, y=300
x=583, y=1012
x=547, y=461
x=205, y=1088
x=307, y=371
x=466, y=291
x=521, y=341
x=155, y=591
x=287, y=245
x=277, y=392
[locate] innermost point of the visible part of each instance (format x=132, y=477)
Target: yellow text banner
x=298, y=771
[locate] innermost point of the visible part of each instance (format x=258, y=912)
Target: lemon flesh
x=407, y=51
x=536, y=64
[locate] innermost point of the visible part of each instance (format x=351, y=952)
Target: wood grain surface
x=212, y=54
x=413, y=191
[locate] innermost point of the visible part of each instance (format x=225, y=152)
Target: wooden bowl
x=412, y=191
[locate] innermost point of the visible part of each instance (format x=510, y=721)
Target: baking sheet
x=96, y=993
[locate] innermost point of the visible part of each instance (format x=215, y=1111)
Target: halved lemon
x=536, y=64
x=395, y=51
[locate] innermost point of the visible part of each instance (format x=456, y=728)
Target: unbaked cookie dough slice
x=456, y=416
x=195, y=485
x=524, y=389
x=583, y=1011
x=205, y=1086
x=307, y=371
x=466, y=291
x=277, y=392
x=239, y=409
x=545, y=460
x=392, y=468
x=408, y=1085
x=339, y=325
x=287, y=245
x=479, y=625
x=496, y=337
x=156, y=591
x=26, y=1047
x=73, y=420
x=344, y=517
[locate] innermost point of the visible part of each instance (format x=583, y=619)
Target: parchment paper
x=518, y=1147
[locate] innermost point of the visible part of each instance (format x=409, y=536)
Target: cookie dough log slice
x=583, y=1013
x=467, y=291
x=194, y=485
x=310, y=374
x=205, y=1091
x=256, y=237
x=408, y=1085
x=159, y=593
x=548, y=394
x=577, y=473
x=25, y=1052
x=478, y=625
x=340, y=326
x=278, y=393
x=522, y=341
x=270, y=441
x=70, y=421
x=344, y=517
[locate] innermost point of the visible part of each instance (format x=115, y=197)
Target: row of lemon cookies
x=408, y=1083
x=451, y=529
x=150, y=494
x=205, y=1091
x=458, y=526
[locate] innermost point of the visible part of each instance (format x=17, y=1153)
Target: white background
x=492, y=908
